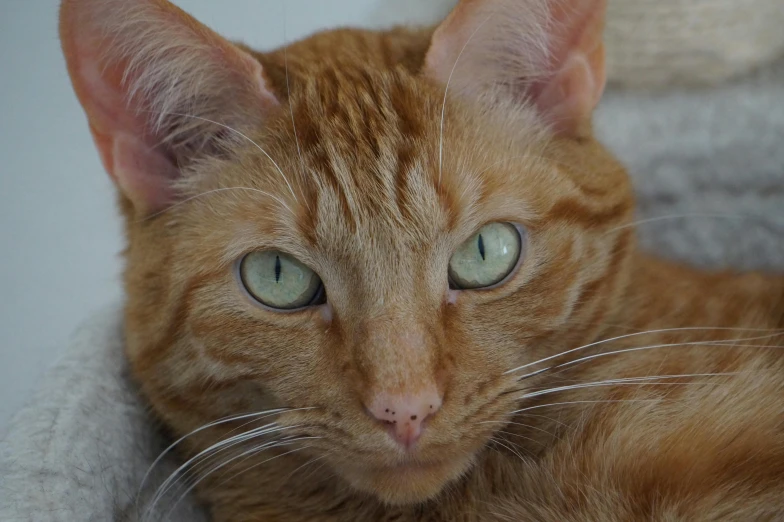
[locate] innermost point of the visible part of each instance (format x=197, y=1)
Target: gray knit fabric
x=715, y=156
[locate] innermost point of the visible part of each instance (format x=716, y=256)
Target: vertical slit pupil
x=277, y=269
x=481, y=244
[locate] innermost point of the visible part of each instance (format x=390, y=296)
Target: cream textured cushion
x=658, y=43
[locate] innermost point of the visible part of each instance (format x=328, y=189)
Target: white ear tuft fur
x=152, y=78
x=181, y=68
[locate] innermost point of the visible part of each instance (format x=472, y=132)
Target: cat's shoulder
x=711, y=451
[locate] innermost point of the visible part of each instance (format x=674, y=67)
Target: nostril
x=404, y=414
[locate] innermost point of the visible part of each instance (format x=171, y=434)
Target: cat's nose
x=404, y=414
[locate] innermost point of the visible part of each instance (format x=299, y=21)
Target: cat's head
x=370, y=228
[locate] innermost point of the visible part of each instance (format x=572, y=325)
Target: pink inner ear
x=570, y=94
x=569, y=97
x=552, y=49
x=165, y=46
x=143, y=174
x=127, y=151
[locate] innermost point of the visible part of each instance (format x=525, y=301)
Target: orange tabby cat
x=401, y=269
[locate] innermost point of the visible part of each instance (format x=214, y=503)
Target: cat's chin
x=407, y=483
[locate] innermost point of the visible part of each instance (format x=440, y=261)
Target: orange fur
x=371, y=204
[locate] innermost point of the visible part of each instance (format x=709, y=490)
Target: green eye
x=279, y=281
x=487, y=258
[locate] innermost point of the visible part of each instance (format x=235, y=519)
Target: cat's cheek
x=451, y=296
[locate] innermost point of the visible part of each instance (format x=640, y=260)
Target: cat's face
x=374, y=258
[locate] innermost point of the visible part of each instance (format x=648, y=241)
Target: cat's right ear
x=158, y=88
x=546, y=53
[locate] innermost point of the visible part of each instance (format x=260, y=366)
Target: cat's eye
x=280, y=281
x=487, y=258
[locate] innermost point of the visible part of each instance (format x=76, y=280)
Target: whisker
x=174, y=477
x=318, y=468
x=208, y=458
x=223, y=420
x=719, y=215
x=285, y=442
x=238, y=133
x=288, y=93
x=446, y=91
x=723, y=343
x=490, y=446
x=244, y=424
x=202, y=457
x=643, y=378
x=517, y=424
x=520, y=436
x=286, y=438
x=511, y=449
x=556, y=421
x=256, y=450
x=646, y=332
x=628, y=381
x=308, y=463
x=723, y=215
x=581, y=402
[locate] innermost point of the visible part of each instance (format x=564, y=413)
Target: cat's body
x=368, y=173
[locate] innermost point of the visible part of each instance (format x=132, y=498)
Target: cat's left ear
x=546, y=52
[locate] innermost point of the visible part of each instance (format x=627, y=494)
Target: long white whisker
x=216, y=447
x=517, y=424
x=518, y=435
x=636, y=334
x=689, y=215
x=174, y=477
x=627, y=381
x=286, y=438
x=213, y=451
x=208, y=463
x=285, y=443
x=724, y=343
x=581, y=402
x=285, y=179
x=223, y=420
x=514, y=451
x=254, y=450
x=308, y=463
x=644, y=378
x=556, y=421
x=288, y=93
x=446, y=91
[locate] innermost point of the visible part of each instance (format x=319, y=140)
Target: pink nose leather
x=404, y=414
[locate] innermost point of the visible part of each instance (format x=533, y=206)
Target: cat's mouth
x=407, y=482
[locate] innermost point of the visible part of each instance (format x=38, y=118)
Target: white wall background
x=59, y=232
